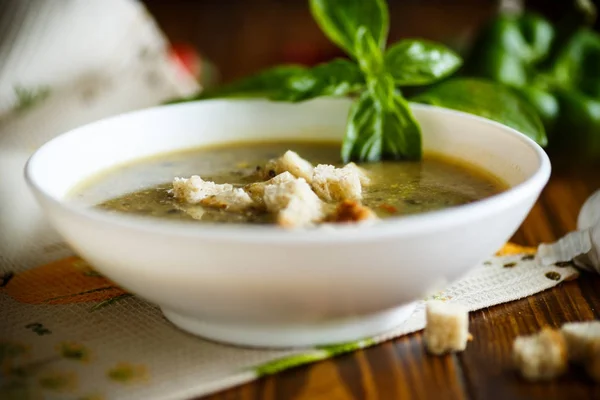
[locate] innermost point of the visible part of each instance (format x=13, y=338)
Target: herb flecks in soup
x=264, y=183
x=297, y=194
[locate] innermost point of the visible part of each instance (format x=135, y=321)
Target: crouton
x=294, y=202
x=362, y=174
x=351, y=211
x=194, y=189
x=194, y=211
x=447, y=327
x=581, y=337
x=289, y=162
x=235, y=200
x=257, y=190
x=542, y=356
x=583, y=345
x=336, y=184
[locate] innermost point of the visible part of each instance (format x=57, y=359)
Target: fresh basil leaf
x=489, y=100
x=368, y=54
x=381, y=126
x=363, y=139
x=578, y=61
x=340, y=20
x=336, y=78
x=402, y=135
x=268, y=83
x=293, y=83
x=420, y=62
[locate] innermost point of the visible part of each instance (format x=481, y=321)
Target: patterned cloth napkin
x=69, y=333
x=66, y=332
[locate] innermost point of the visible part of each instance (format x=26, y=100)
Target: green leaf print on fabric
x=336, y=349
x=127, y=373
x=17, y=389
x=10, y=351
x=28, y=98
x=284, y=363
x=320, y=353
x=58, y=381
x=74, y=351
x=108, y=302
x=14, y=381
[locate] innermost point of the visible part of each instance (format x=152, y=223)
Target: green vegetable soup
x=397, y=187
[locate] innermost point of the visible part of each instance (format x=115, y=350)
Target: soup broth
x=397, y=187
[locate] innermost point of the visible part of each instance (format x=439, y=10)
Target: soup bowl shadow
x=260, y=285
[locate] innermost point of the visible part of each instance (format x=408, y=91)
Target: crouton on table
x=580, y=338
x=541, y=356
x=446, y=328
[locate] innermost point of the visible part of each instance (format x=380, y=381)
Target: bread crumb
x=193, y=190
x=235, y=200
x=193, y=210
x=583, y=345
x=337, y=184
x=257, y=190
x=447, y=327
x=364, y=178
x=289, y=162
x=541, y=356
x=294, y=202
x=581, y=337
x=351, y=211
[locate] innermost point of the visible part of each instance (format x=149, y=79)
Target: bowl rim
x=398, y=227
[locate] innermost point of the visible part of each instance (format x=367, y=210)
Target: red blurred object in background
x=191, y=62
x=187, y=58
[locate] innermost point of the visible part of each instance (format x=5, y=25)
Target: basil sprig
x=380, y=123
x=489, y=100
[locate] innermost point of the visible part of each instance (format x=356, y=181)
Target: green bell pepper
x=555, y=68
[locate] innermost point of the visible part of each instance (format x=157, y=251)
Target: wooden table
x=242, y=38
x=400, y=369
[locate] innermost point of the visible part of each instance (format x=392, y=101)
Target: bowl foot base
x=296, y=335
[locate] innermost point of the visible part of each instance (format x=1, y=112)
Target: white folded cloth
x=581, y=246
x=64, y=64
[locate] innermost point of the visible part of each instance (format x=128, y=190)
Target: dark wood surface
x=242, y=37
x=400, y=369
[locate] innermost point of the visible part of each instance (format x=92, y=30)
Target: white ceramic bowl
x=259, y=286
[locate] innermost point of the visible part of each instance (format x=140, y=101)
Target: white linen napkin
x=581, y=246
x=50, y=82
